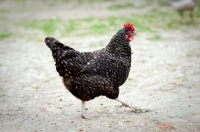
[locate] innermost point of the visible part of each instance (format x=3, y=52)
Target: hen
x=91, y=74
x=183, y=5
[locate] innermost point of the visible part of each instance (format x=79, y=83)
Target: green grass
x=121, y=6
x=5, y=11
x=148, y=22
x=170, y=19
x=5, y=35
x=155, y=37
x=2, y=95
x=66, y=0
x=81, y=1
x=86, y=26
x=59, y=108
x=93, y=26
x=98, y=28
x=47, y=26
x=47, y=81
x=161, y=3
x=91, y=1
x=197, y=11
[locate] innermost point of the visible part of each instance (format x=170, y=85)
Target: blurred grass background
x=150, y=21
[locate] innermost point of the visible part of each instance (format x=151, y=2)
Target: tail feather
x=51, y=42
x=57, y=49
x=63, y=55
x=54, y=44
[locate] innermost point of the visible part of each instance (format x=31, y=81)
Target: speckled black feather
x=90, y=74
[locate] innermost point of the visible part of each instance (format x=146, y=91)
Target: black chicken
x=90, y=74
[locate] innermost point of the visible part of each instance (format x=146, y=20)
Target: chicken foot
x=84, y=115
x=125, y=104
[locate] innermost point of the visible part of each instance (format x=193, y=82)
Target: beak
x=134, y=33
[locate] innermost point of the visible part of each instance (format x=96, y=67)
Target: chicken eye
x=130, y=33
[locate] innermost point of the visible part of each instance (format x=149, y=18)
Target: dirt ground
x=164, y=79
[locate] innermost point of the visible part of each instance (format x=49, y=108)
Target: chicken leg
x=125, y=104
x=84, y=115
x=191, y=15
x=181, y=18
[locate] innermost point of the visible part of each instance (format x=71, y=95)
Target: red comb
x=129, y=25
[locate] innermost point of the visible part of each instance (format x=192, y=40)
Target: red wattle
x=129, y=37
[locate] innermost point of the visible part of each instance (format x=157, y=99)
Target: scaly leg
x=181, y=19
x=84, y=112
x=191, y=15
x=125, y=104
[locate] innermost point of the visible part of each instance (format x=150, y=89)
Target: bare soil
x=164, y=79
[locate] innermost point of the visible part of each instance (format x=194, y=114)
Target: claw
x=126, y=105
x=88, y=117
